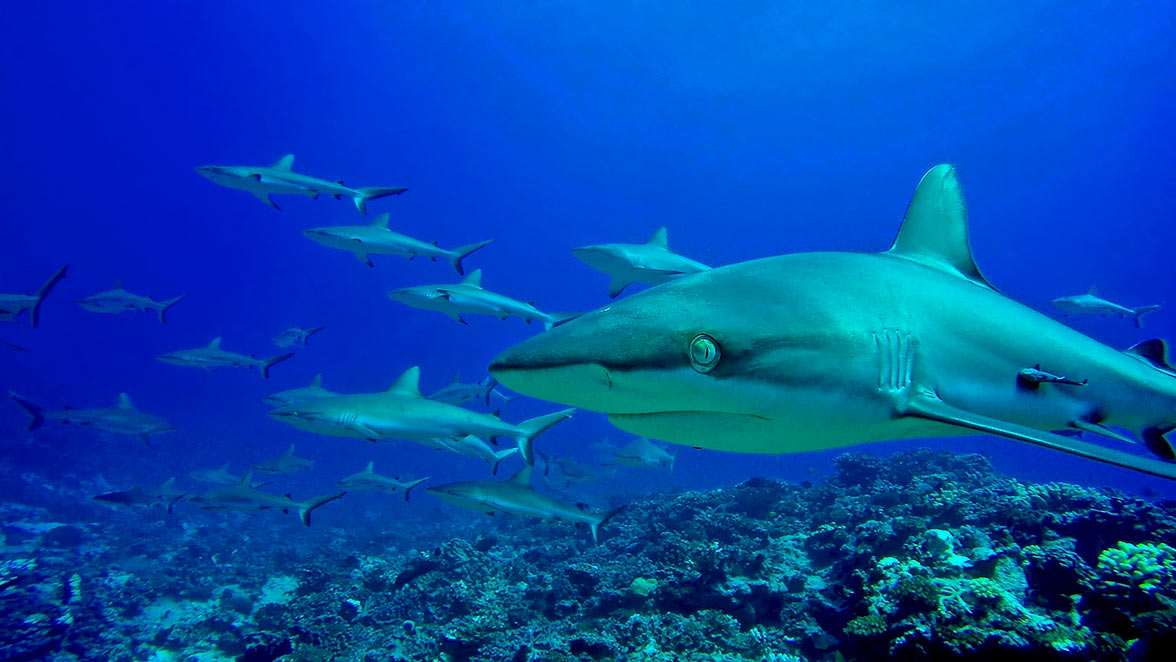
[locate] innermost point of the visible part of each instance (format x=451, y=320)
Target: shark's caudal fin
x=266, y=364
x=35, y=313
x=409, y=486
x=595, y=525
x=674, y=458
x=488, y=386
x=373, y=193
x=313, y=330
x=1138, y=313
x=305, y=508
x=34, y=410
x=502, y=455
x=551, y=320
x=533, y=427
x=165, y=306
x=461, y=252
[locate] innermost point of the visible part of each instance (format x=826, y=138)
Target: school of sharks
x=786, y=354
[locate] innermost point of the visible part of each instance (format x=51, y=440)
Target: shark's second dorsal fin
x=246, y=480
x=317, y=381
x=290, y=451
x=215, y=344
x=474, y=279
x=285, y=163
x=381, y=221
x=370, y=468
x=659, y=239
x=1153, y=352
x=934, y=231
x=124, y=401
x=523, y=477
x=408, y=383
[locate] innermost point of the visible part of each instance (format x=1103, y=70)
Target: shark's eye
x=704, y=353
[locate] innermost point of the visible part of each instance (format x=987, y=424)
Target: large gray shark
x=456, y=393
x=12, y=305
x=468, y=296
x=1092, y=304
x=294, y=396
x=122, y=418
x=402, y=413
x=165, y=495
x=472, y=446
x=517, y=497
x=377, y=239
x=295, y=336
x=242, y=497
x=280, y=178
x=212, y=356
x=368, y=479
x=651, y=263
x=822, y=350
x=642, y=452
x=118, y=300
x=286, y=463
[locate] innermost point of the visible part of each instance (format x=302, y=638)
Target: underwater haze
x=748, y=130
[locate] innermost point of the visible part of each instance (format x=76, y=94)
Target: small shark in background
x=122, y=418
x=569, y=469
x=468, y=296
x=651, y=263
x=284, y=464
x=165, y=495
x=642, y=452
x=12, y=305
x=368, y=479
x=280, y=178
x=212, y=356
x=242, y=497
x=296, y=337
x=294, y=396
x=472, y=446
x=402, y=413
x=377, y=239
x=517, y=497
x=456, y=393
x=118, y=300
x=219, y=476
x=1091, y=304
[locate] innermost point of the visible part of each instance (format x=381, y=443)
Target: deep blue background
x=750, y=129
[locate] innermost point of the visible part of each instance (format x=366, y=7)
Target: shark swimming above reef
x=814, y=351
x=263, y=182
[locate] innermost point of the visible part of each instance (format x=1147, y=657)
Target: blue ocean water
x=748, y=129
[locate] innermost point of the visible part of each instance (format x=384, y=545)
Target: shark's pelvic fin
x=934, y=231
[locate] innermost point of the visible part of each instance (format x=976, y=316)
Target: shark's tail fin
x=373, y=193
x=34, y=410
x=408, y=487
x=164, y=306
x=533, y=427
x=499, y=457
x=552, y=320
x=305, y=508
x=1138, y=313
x=674, y=458
x=462, y=252
x=266, y=364
x=602, y=521
x=310, y=332
x=488, y=386
x=35, y=313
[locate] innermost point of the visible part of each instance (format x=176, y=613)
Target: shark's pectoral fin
x=363, y=257
x=616, y=285
x=261, y=194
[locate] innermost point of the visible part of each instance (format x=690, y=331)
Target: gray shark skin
x=468, y=296
x=165, y=495
x=823, y=350
x=474, y=447
x=280, y=178
x=642, y=452
x=368, y=479
x=13, y=305
x=517, y=497
x=118, y=300
x=284, y=464
x=123, y=418
x=1091, y=304
x=651, y=263
x=295, y=396
x=457, y=393
x=377, y=239
x=212, y=356
x=296, y=337
x=241, y=497
x=402, y=413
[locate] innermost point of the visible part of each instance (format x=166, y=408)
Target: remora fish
x=642, y=452
x=377, y=239
x=651, y=263
x=280, y=178
x=468, y=296
x=295, y=336
x=822, y=350
x=456, y=393
x=402, y=413
x=12, y=305
x=301, y=394
x=118, y=300
x=284, y=464
x=212, y=356
x=1091, y=304
x=472, y=446
x=243, y=498
x=517, y=497
x=165, y=495
x=122, y=418
x=368, y=479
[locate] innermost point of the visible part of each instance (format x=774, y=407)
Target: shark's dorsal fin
x=370, y=468
x=659, y=239
x=934, y=231
x=168, y=484
x=317, y=381
x=215, y=344
x=523, y=477
x=224, y=467
x=474, y=279
x=408, y=383
x=285, y=163
x=246, y=480
x=1154, y=352
x=290, y=451
x=1093, y=291
x=124, y=401
x=456, y=378
x=381, y=221
x=118, y=284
